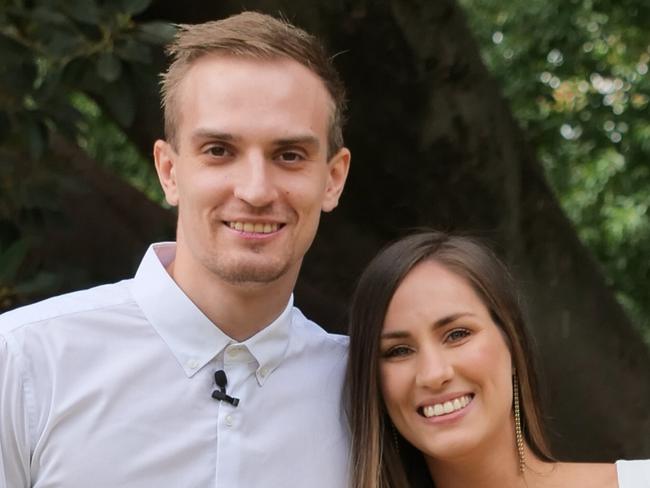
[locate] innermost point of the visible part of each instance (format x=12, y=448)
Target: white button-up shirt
x=111, y=387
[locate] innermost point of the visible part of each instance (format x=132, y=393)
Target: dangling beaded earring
x=395, y=439
x=518, y=433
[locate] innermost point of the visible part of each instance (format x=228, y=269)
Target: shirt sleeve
x=14, y=424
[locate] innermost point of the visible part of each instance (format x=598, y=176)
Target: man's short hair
x=256, y=36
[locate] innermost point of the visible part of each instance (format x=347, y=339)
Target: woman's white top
x=633, y=474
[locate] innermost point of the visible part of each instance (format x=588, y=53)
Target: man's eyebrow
x=402, y=334
x=299, y=139
x=306, y=139
x=213, y=134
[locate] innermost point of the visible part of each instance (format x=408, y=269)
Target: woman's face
x=446, y=373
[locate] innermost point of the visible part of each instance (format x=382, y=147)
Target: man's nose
x=254, y=182
x=434, y=369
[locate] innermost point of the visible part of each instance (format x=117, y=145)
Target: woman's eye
x=397, y=352
x=457, y=335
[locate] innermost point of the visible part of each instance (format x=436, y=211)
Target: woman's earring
x=518, y=433
x=395, y=438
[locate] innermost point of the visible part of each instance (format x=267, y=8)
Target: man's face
x=249, y=172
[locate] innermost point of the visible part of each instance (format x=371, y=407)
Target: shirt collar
x=269, y=345
x=190, y=335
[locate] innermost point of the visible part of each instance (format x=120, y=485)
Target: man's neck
x=239, y=310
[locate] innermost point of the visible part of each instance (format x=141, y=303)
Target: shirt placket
x=230, y=447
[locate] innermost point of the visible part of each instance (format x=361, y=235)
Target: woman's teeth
x=447, y=407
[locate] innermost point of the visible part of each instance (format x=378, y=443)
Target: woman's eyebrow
x=397, y=334
x=401, y=334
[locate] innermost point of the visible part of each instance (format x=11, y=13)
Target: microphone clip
x=220, y=394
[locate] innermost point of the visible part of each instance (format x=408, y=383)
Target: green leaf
x=135, y=7
x=11, y=259
x=120, y=101
x=11, y=52
x=36, y=138
x=49, y=89
x=156, y=32
x=85, y=11
x=45, y=15
x=82, y=73
x=131, y=50
x=18, y=80
x=60, y=43
x=109, y=67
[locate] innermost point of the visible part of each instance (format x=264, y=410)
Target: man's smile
x=254, y=227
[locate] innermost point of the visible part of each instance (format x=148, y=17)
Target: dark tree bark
x=434, y=144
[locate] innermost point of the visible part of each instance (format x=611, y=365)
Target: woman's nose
x=434, y=369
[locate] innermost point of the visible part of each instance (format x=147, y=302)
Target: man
x=113, y=386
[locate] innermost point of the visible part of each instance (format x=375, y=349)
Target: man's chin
x=248, y=275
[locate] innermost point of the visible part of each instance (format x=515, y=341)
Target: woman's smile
x=442, y=409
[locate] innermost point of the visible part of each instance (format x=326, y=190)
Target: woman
x=441, y=383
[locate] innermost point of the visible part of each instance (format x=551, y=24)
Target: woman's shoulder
x=622, y=474
x=592, y=475
x=633, y=474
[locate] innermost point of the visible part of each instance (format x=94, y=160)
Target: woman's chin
x=448, y=446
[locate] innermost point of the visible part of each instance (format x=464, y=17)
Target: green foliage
x=61, y=61
x=105, y=142
x=575, y=73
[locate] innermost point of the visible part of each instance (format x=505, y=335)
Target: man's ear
x=338, y=167
x=165, y=158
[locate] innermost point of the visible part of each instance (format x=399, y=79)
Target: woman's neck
x=491, y=464
x=491, y=471
x=490, y=468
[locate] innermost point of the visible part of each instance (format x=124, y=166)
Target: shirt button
x=232, y=352
x=193, y=363
x=229, y=420
x=264, y=372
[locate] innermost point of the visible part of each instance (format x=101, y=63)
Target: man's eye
x=290, y=157
x=218, y=151
x=457, y=335
x=397, y=352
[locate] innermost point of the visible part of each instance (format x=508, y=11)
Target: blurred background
x=525, y=123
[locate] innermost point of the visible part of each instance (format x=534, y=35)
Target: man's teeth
x=446, y=407
x=257, y=227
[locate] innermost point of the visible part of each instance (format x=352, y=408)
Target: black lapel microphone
x=220, y=394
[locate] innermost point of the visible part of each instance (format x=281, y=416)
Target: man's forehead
x=279, y=69
x=227, y=61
